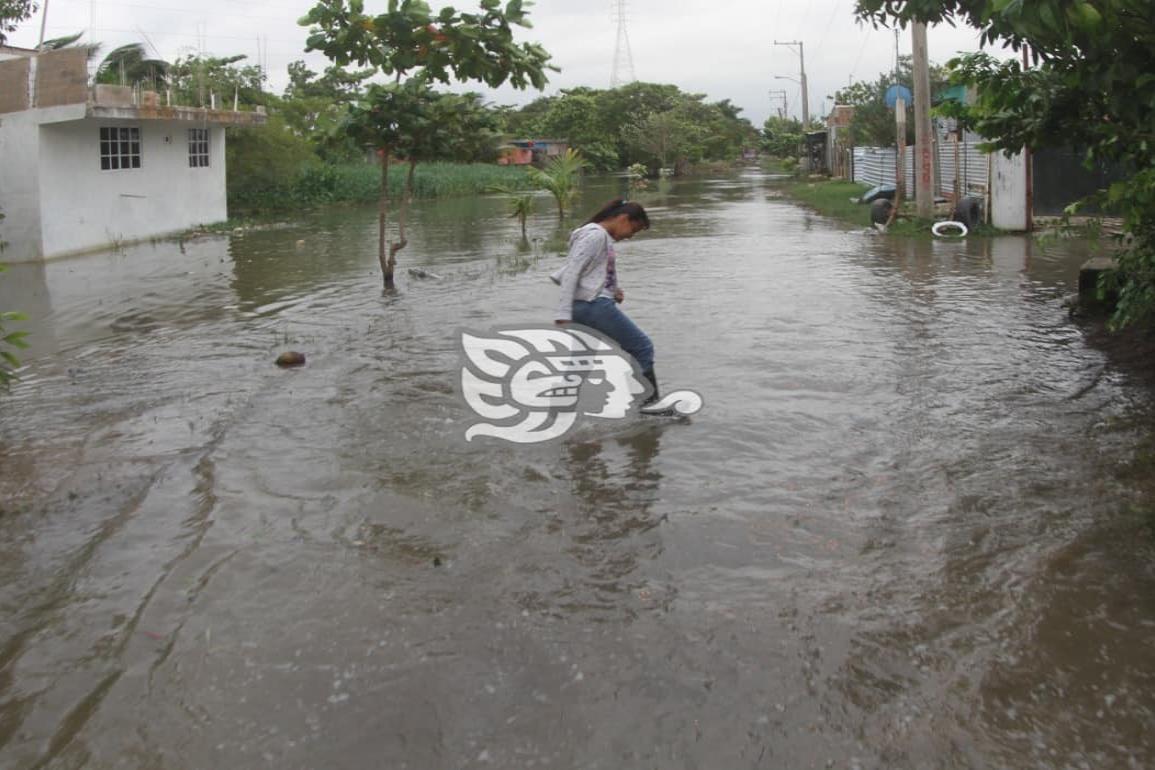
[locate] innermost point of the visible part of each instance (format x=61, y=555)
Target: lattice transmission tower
x=623, y=57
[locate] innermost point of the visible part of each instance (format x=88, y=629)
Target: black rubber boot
x=649, y=375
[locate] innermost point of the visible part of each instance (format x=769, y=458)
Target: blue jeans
x=603, y=314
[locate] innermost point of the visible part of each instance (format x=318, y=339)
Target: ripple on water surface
x=892, y=538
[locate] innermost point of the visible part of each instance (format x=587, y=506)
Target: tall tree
x=1092, y=86
x=314, y=105
x=409, y=37
x=782, y=137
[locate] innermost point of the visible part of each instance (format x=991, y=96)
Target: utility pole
x=802, y=79
x=896, y=56
x=1028, y=161
x=43, y=25
x=923, y=134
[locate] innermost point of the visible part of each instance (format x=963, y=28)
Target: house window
x=119, y=148
x=198, y=147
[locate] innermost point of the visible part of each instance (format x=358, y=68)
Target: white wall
x=1009, y=192
x=19, y=189
x=83, y=207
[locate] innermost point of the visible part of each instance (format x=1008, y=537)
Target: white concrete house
x=84, y=168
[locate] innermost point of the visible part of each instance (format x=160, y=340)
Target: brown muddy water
x=895, y=537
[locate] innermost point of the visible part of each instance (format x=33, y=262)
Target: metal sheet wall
x=875, y=166
x=973, y=173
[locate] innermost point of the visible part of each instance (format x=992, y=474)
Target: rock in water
x=291, y=358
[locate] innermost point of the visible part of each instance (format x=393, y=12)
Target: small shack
x=524, y=152
x=87, y=167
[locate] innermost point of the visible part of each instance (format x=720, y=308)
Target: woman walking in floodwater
x=590, y=293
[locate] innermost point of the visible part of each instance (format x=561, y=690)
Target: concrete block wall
x=84, y=207
x=14, y=85
x=62, y=77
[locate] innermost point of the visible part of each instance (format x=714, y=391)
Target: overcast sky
x=723, y=48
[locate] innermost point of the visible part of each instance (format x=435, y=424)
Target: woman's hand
x=619, y=296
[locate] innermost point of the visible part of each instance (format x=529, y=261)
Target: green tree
x=13, y=12
x=313, y=106
x=524, y=122
x=1092, y=87
x=578, y=118
x=782, y=137
x=873, y=124
x=560, y=178
x=262, y=162
x=409, y=37
x=604, y=125
x=663, y=139
x=194, y=79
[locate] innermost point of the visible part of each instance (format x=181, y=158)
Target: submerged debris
x=291, y=358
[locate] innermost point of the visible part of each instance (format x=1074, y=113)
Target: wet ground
x=899, y=535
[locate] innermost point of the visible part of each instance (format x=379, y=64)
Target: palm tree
x=56, y=43
x=560, y=178
x=520, y=208
x=127, y=65
x=520, y=204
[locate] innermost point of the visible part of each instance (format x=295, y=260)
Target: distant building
x=512, y=155
x=523, y=152
x=838, y=122
x=88, y=167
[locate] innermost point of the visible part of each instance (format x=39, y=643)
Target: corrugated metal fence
x=875, y=166
x=973, y=173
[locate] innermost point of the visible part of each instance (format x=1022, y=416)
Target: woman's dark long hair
x=633, y=211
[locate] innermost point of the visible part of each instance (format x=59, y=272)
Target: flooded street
x=895, y=537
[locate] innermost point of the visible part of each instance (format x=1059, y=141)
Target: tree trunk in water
x=385, y=258
x=409, y=181
x=401, y=241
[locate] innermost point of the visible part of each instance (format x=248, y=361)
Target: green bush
x=264, y=163
x=314, y=184
x=8, y=342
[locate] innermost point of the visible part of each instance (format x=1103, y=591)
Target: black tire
x=969, y=211
x=880, y=211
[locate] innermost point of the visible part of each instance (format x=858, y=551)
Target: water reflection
x=613, y=527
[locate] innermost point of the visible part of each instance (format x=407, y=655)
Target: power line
x=861, y=50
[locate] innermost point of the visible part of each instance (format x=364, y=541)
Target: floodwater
x=897, y=535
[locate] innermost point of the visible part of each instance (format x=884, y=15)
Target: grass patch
x=773, y=165
x=316, y=185
x=831, y=198
x=834, y=198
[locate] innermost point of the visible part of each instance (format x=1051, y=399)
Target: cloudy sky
x=723, y=48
